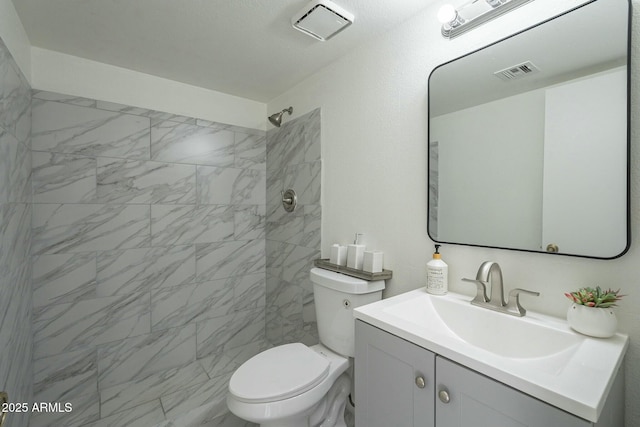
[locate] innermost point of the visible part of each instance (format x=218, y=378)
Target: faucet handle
x=481, y=295
x=513, y=305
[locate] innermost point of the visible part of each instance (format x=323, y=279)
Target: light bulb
x=447, y=13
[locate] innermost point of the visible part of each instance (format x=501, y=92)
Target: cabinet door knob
x=443, y=395
x=552, y=248
x=420, y=382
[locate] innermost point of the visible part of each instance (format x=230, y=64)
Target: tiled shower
x=148, y=257
x=293, y=239
x=16, y=338
x=159, y=257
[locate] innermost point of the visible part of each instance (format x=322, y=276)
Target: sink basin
x=499, y=333
x=536, y=354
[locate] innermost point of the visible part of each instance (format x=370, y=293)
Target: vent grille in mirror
x=517, y=71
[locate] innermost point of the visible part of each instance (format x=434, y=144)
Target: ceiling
x=246, y=48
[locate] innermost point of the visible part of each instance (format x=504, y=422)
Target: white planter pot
x=593, y=321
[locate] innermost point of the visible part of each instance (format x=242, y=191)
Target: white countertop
x=576, y=379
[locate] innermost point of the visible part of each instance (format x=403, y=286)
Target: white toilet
x=293, y=385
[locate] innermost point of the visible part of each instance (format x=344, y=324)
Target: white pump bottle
x=437, y=275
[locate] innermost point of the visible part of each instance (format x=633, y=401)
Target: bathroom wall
x=293, y=239
x=61, y=73
x=16, y=343
x=148, y=260
x=374, y=152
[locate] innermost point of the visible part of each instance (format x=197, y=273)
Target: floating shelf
x=360, y=274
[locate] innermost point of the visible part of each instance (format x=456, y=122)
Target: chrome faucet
x=490, y=274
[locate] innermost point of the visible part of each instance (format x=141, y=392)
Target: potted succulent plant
x=592, y=311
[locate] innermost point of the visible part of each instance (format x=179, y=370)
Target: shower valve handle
x=289, y=200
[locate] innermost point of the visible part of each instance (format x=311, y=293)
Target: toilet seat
x=295, y=406
x=279, y=373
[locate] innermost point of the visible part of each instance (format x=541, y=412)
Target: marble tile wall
x=16, y=342
x=149, y=265
x=293, y=239
x=434, y=150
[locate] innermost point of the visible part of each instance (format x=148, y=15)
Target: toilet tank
x=336, y=295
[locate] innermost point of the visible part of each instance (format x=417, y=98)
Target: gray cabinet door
x=478, y=401
x=389, y=371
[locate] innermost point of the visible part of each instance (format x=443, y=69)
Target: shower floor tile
x=128, y=395
x=210, y=394
x=145, y=415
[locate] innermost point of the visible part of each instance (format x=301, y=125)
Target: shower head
x=276, y=119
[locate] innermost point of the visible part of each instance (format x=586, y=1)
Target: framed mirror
x=529, y=138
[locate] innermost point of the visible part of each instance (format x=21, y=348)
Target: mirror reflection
x=528, y=138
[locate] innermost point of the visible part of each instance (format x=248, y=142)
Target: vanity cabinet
x=394, y=380
x=473, y=400
x=389, y=392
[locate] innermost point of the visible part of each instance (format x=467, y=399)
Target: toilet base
x=329, y=412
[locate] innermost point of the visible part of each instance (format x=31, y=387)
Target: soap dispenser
x=437, y=274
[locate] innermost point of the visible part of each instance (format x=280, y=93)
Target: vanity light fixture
x=448, y=15
x=473, y=14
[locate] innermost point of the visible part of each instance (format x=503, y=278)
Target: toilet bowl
x=294, y=385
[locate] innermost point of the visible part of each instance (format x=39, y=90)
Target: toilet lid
x=278, y=373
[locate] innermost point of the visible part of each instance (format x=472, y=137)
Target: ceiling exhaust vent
x=322, y=19
x=517, y=71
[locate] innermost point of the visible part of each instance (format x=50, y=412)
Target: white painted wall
x=71, y=75
x=14, y=36
x=374, y=142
